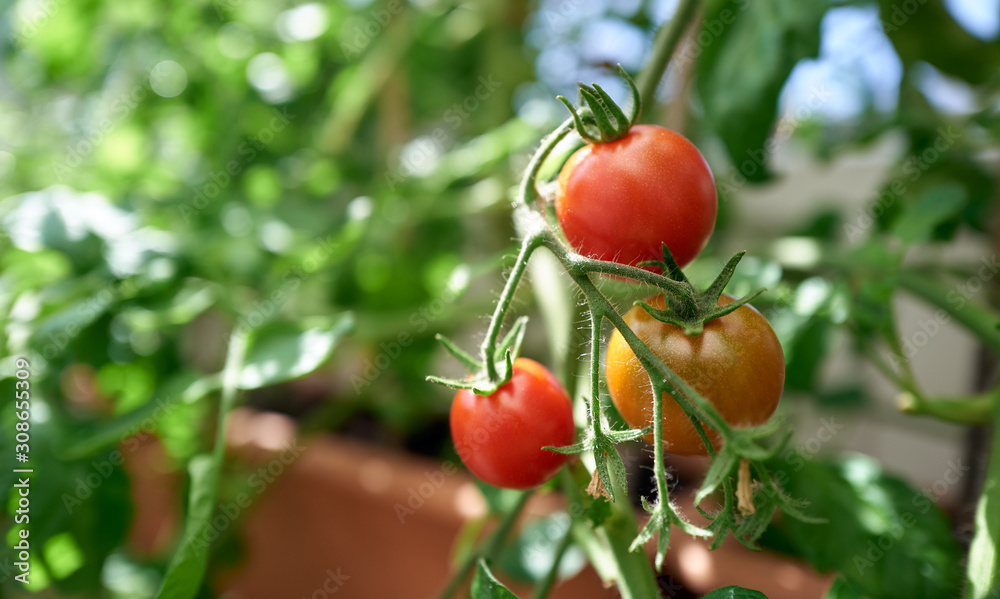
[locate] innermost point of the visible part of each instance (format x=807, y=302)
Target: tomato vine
x=686, y=306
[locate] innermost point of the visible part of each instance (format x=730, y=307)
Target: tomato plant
x=736, y=363
x=493, y=390
x=500, y=437
x=356, y=206
x=621, y=200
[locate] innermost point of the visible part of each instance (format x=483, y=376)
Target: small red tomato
x=500, y=437
x=621, y=200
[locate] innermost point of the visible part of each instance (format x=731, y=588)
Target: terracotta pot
x=337, y=517
x=354, y=520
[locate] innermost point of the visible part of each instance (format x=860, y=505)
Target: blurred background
x=332, y=181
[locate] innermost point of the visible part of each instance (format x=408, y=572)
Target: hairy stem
x=580, y=265
x=595, y=371
x=527, y=190
x=608, y=549
x=489, y=344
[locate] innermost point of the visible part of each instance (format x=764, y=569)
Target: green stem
x=678, y=389
x=503, y=530
x=581, y=265
x=531, y=242
x=974, y=410
x=545, y=584
x=230, y=391
x=983, y=571
x=488, y=550
x=548, y=144
x=595, y=372
x=190, y=560
x=607, y=548
x=666, y=43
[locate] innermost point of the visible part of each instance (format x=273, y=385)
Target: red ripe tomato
x=620, y=200
x=500, y=437
x=736, y=364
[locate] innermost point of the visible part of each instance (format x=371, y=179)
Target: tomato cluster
x=622, y=199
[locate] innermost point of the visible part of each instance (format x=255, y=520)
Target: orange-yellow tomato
x=736, y=364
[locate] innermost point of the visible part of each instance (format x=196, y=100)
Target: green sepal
x=599, y=119
x=467, y=360
x=512, y=341
x=578, y=122
x=688, y=308
x=722, y=466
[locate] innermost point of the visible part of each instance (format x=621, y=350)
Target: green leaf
x=512, y=341
x=84, y=507
x=806, y=353
x=934, y=206
x=193, y=298
x=32, y=270
x=498, y=500
x=486, y=586
x=886, y=538
x=64, y=219
x=186, y=389
x=938, y=156
x=573, y=449
x=284, y=352
x=841, y=589
x=754, y=47
x=461, y=355
x=910, y=25
x=66, y=324
x=529, y=558
x=735, y=592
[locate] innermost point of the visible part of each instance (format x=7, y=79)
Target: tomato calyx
x=688, y=307
x=601, y=120
x=480, y=381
